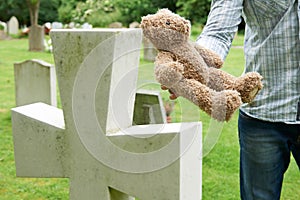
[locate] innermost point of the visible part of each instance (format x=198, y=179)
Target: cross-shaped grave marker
x=92, y=140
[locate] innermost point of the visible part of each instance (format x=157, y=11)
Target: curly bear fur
x=192, y=71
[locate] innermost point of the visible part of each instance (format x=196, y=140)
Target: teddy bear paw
x=224, y=104
x=249, y=85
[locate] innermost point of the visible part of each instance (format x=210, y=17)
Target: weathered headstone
x=91, y=140
x=3, y=30
x=13, y=25
x=35, y=81
x=150, y=51
x=115, y=25
x=149, y=108
x=57, y=25
x=72, y=25
x=87, y=26
x=36, y=38
x=4, y=25
x=134, y=25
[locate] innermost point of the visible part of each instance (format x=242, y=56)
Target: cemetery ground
x=220, y=178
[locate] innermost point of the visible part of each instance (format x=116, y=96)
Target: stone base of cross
x=92, y=140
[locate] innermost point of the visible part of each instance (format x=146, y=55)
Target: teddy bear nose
x=168, y=23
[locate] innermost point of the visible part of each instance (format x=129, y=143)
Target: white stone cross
x=92, y=140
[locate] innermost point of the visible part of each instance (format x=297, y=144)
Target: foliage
x=133, y=10
x=47, y=12
x=194, y=10
x=1, y=27
x=16, y=8
x=97, y=13
x=65, y=10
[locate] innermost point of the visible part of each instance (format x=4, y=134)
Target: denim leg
x=264, y=157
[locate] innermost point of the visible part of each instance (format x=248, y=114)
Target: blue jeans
x=265, y=149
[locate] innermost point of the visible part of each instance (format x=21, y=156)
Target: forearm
x=222, y=24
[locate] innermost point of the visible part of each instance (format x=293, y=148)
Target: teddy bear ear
x=164, y=11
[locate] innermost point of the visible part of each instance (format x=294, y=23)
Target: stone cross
x=35, y=81
x=92, y=140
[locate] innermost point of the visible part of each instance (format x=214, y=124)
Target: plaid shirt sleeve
x=222, y=24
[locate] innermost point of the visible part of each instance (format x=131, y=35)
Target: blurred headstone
x=13, y=25
x=86, y=26
x=134, y=25
x=57, y=25
x=150, y=51
x=115, y=25
x=36, y=38
x=3, y=30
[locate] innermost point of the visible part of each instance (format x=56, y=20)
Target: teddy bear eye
x=168, y=23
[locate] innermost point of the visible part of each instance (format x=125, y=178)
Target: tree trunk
x=36, y=34
x=33, y=6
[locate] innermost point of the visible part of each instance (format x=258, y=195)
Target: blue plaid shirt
x=272, y=48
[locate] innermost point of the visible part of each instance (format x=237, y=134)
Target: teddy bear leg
x=219, y=105
x=248, y=86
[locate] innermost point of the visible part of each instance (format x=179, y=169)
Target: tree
x=194, y=10
x=48, y=11
x=33, y=6
x=36, y=34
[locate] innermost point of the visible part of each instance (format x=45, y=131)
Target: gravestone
x=36, y=38
x=3, y=30
x=92, y=140
x=87, y=26
x=115, y=25
x=4, y=25
x=35, y=81
x=13, y=25
x=57, y=25
x=134, y=25
x=148, y=108
x=150, y=51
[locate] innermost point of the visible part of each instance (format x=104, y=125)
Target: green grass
x=220, y=167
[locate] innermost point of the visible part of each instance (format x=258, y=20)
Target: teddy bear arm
x=168, y=73
x=248, y=85
x=210, y=57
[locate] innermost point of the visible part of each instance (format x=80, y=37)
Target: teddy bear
x=193, y=71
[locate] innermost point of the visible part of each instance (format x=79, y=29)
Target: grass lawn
x=220, y=166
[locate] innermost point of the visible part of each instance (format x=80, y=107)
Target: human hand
x=172, y=96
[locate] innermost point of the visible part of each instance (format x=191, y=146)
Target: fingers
x=163, y=87
x=172, y=96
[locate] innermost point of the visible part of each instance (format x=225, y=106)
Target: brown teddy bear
x=191, y=71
